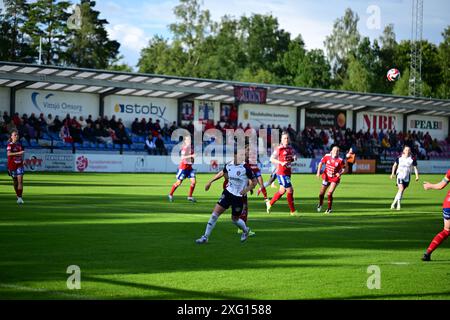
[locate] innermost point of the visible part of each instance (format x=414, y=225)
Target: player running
x=403, y=165
x=14, y=152
x=283, y=156
x=334, y=169
x=238, y=176
x=185, y=169
x=441, y=236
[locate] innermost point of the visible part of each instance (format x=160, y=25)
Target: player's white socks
x=398, y=196
x=241, y=224
x=211, y=224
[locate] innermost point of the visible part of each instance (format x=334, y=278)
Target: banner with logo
x=128, y=108
x=4, y=100
x=385, y=165
x=57, y=103
x=257, y=95
x=267, y=115
x=364, y=166
x=437, y=127
x=377, y=121
x=324, y=119
x=59, y=162
x=98, y=163
x=440, y=167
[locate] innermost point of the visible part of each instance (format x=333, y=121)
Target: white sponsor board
x=57, y=103
x=258, y=115
x=98, y=163
x=128, y=108
x=4, y=100
x=35, y=160
x=436, y=126
x=433, y=166
x=376, y=121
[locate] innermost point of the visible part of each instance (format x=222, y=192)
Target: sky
x=134, y=22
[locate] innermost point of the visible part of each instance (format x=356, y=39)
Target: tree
x=14, y=38
x=343, y=40
x=90, y=46
x=161, y=58
x=194, y=26
x=443, y=89
x=313, y=71
x=358, y=77
x=48, y=21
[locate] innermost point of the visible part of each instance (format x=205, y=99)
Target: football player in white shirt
x=238, y=175
x=402, y=169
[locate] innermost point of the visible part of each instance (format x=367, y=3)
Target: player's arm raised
x=436, y=186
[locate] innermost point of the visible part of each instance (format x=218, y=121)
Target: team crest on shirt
x=238, y=173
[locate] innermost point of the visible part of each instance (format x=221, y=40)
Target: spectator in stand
x=89, y=120
x=64, y=133
x=135, y=127
x=6, y=117
x=82, y=122
x=122, y=135
x=165, y=132
x=67, y=120
x=160, y=147
x=157, y=126
x=57, y=125
x=17, y=120
x=113, y=124
x=102, y=135
x=88, y=133
x=75, y=133
x=150, y=145
x=143, y=127
x=149, y=126
x=435, y=146
x=42, y=125
x=105, y=122
x=172, y=128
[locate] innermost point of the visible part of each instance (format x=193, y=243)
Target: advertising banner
x=324, y=119
x=437, y=127
x=258, y=115
x=128, y=108
x=365, y=166
x=440, y=167
x=56, y=103
x=255, y=95
x=385, y=165
x=58, y=162
x=377, y=121
x=98, y=163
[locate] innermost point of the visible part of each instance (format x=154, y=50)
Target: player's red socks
x=290, y=199
x=321, y=197
x=330, y=200
x=441, y=236
x=191, y=189
x=174, y=187
x=264, y=192
x=275, y=198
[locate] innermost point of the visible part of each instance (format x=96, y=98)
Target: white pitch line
x=41, y=290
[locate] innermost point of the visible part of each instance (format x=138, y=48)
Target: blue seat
x=34, y=144
x=109, y=146
x=101, y=146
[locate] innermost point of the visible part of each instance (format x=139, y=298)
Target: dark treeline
x=249, y=48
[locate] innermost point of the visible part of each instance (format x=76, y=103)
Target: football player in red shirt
x=441, y=236
x=185, y=169
x=14, y=152
x=283, y=157
x=334, y=168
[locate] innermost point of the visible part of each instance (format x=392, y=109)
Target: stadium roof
x=105, y=82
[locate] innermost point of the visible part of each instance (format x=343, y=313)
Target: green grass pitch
x=131, y=243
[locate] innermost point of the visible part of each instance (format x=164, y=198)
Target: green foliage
x=26, y=24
